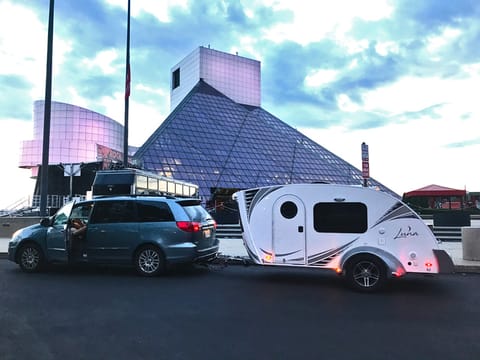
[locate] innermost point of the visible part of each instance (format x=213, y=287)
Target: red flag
x=127, y=83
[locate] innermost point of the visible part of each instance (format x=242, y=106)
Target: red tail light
x=189, y=226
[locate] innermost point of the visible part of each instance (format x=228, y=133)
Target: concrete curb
x=467, y=269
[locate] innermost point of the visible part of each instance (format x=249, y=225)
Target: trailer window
x=340, y=217
x=289, y=209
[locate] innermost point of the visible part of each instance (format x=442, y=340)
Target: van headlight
x=16, y=236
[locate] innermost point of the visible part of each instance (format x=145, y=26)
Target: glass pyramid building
x=220, y=144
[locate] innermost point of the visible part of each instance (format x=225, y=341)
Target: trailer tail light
x=189, y=226
x=428, y=265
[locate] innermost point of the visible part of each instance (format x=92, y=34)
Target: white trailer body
x=365, y=234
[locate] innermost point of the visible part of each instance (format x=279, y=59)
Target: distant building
x=221, y=139
x=217, y=136
x=81, y=142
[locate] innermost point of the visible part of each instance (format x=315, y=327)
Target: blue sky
x=402, y=76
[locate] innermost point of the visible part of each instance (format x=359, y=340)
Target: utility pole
x=46, y=116
x=127, y=92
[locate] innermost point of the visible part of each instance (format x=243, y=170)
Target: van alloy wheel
x=149, y=261
x=30, y=258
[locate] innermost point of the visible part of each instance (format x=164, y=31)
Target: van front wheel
x=366, y=273
x=149, y=261
x=30, y=258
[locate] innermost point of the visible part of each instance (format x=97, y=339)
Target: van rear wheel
x=366, y=273
x=149, y=261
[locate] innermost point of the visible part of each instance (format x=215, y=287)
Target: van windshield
x=61, y=217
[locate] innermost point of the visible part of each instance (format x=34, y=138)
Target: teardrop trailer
x=366, y=235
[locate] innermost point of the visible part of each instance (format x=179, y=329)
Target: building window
x=176, y=79
x=340, y=217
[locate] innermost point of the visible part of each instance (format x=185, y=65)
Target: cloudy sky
x=401, y=75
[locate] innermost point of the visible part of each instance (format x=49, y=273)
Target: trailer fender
x=393, y=265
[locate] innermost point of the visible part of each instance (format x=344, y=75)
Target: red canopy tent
x=435, y=190
x=439, y=197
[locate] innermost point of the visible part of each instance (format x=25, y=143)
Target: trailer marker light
x=268, y=258
x=428, y=264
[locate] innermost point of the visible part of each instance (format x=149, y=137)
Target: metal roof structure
x=214, y=142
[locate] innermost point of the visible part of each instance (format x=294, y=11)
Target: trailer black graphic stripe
x=326, y=256
x=397, y=211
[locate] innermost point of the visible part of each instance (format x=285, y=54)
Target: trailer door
x=288, y=242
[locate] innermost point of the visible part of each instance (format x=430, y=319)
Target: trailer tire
x=366, y=273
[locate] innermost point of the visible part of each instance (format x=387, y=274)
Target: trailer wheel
x=366, y=273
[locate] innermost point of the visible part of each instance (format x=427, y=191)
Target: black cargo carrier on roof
x=139, y=182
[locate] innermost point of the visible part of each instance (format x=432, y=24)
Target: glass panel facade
x=214, y=142
x=74, y=135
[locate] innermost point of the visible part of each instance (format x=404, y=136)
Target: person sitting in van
x=78, y=230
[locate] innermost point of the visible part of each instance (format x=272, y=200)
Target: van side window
x=340, y=217
x=154, y=211
x=113, y=212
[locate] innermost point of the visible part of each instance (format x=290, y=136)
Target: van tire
x=366, y=273
x=30, y=258
x=149, y=261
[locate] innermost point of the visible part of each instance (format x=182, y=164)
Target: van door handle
x=300, y=229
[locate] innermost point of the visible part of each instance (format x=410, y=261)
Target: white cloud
x=104, y=60
x=159, y=9
x=387, y=47
x=315, y=20
x=405, y=157
x=143, y=118
x=25, y=54
x=448, y=35
x=319, y=78
x=415, y=94
x=15, y=183
x=346, y=104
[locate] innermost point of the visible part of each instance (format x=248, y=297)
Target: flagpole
x=127, y=92
x=46, y=116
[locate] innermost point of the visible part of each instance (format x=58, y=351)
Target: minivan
x=148, y=232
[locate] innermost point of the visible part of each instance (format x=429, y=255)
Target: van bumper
x=12, y=251
x=445, y=263
x=189, y=252
x=208, y=254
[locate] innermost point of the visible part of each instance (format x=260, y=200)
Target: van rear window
x=197, y=213
x=340, y=217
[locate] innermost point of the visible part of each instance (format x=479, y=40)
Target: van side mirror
x=45, y=222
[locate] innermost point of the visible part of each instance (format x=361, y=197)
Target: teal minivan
x=147, y=232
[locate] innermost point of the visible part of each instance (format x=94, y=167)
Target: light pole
x=46, y=116
x=127, y=92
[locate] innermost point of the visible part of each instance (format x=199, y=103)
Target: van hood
x=32, y=231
